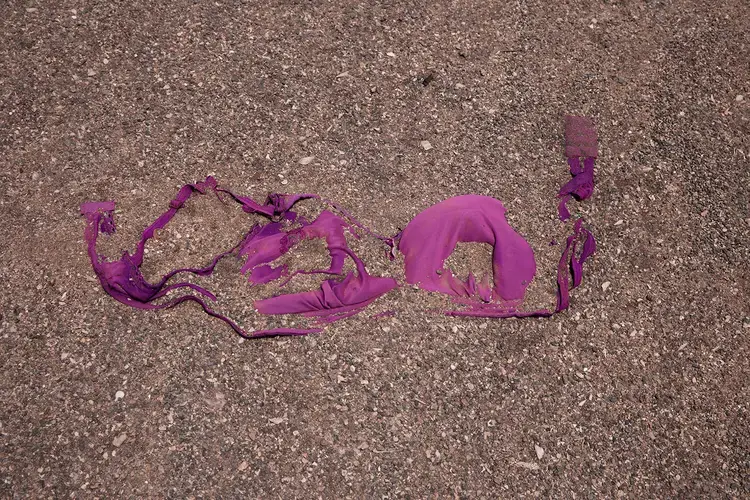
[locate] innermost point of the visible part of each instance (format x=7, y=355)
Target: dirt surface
x=639, y=390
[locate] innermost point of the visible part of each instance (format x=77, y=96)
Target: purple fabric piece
x=122, y=279
x=431, y=237
x=572, y=264
x=581, y=186
x=426, y=242
x=354, y=291
x=580, y=142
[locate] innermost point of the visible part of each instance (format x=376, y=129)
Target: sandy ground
x=639, y=390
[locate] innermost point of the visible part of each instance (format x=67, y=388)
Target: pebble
x=606, y=285
x=425, y=145
x=539, y=451
x=739, y=97
x=119, y=395
x=306, y=160
x=528, y=465
x=117, y=442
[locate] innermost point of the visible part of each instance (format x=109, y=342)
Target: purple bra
x=426, y=242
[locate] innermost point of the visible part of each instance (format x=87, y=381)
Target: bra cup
x=431, y=237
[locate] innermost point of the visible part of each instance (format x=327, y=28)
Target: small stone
x=306, y=160
x=390, y=54
x=91, y=72
x=606, y=285
x=119, y=395
x=217, y=402
x=425, y=145
x=31, y=9
x=284, y=182
x=117, y=442
x=739, y=97
x=276, y=420
x=242, y=466
x=539, y=451
x=528, y=465
x=386, y=329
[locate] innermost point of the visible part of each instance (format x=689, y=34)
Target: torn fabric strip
x=122, y=279
x=580, y=143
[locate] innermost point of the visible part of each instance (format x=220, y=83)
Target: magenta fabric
x=263, y=244
x=426, y=242
x=580, y=142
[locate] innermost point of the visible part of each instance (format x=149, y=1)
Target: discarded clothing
x=426, y=242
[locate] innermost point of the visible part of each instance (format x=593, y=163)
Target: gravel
x=639, y=390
